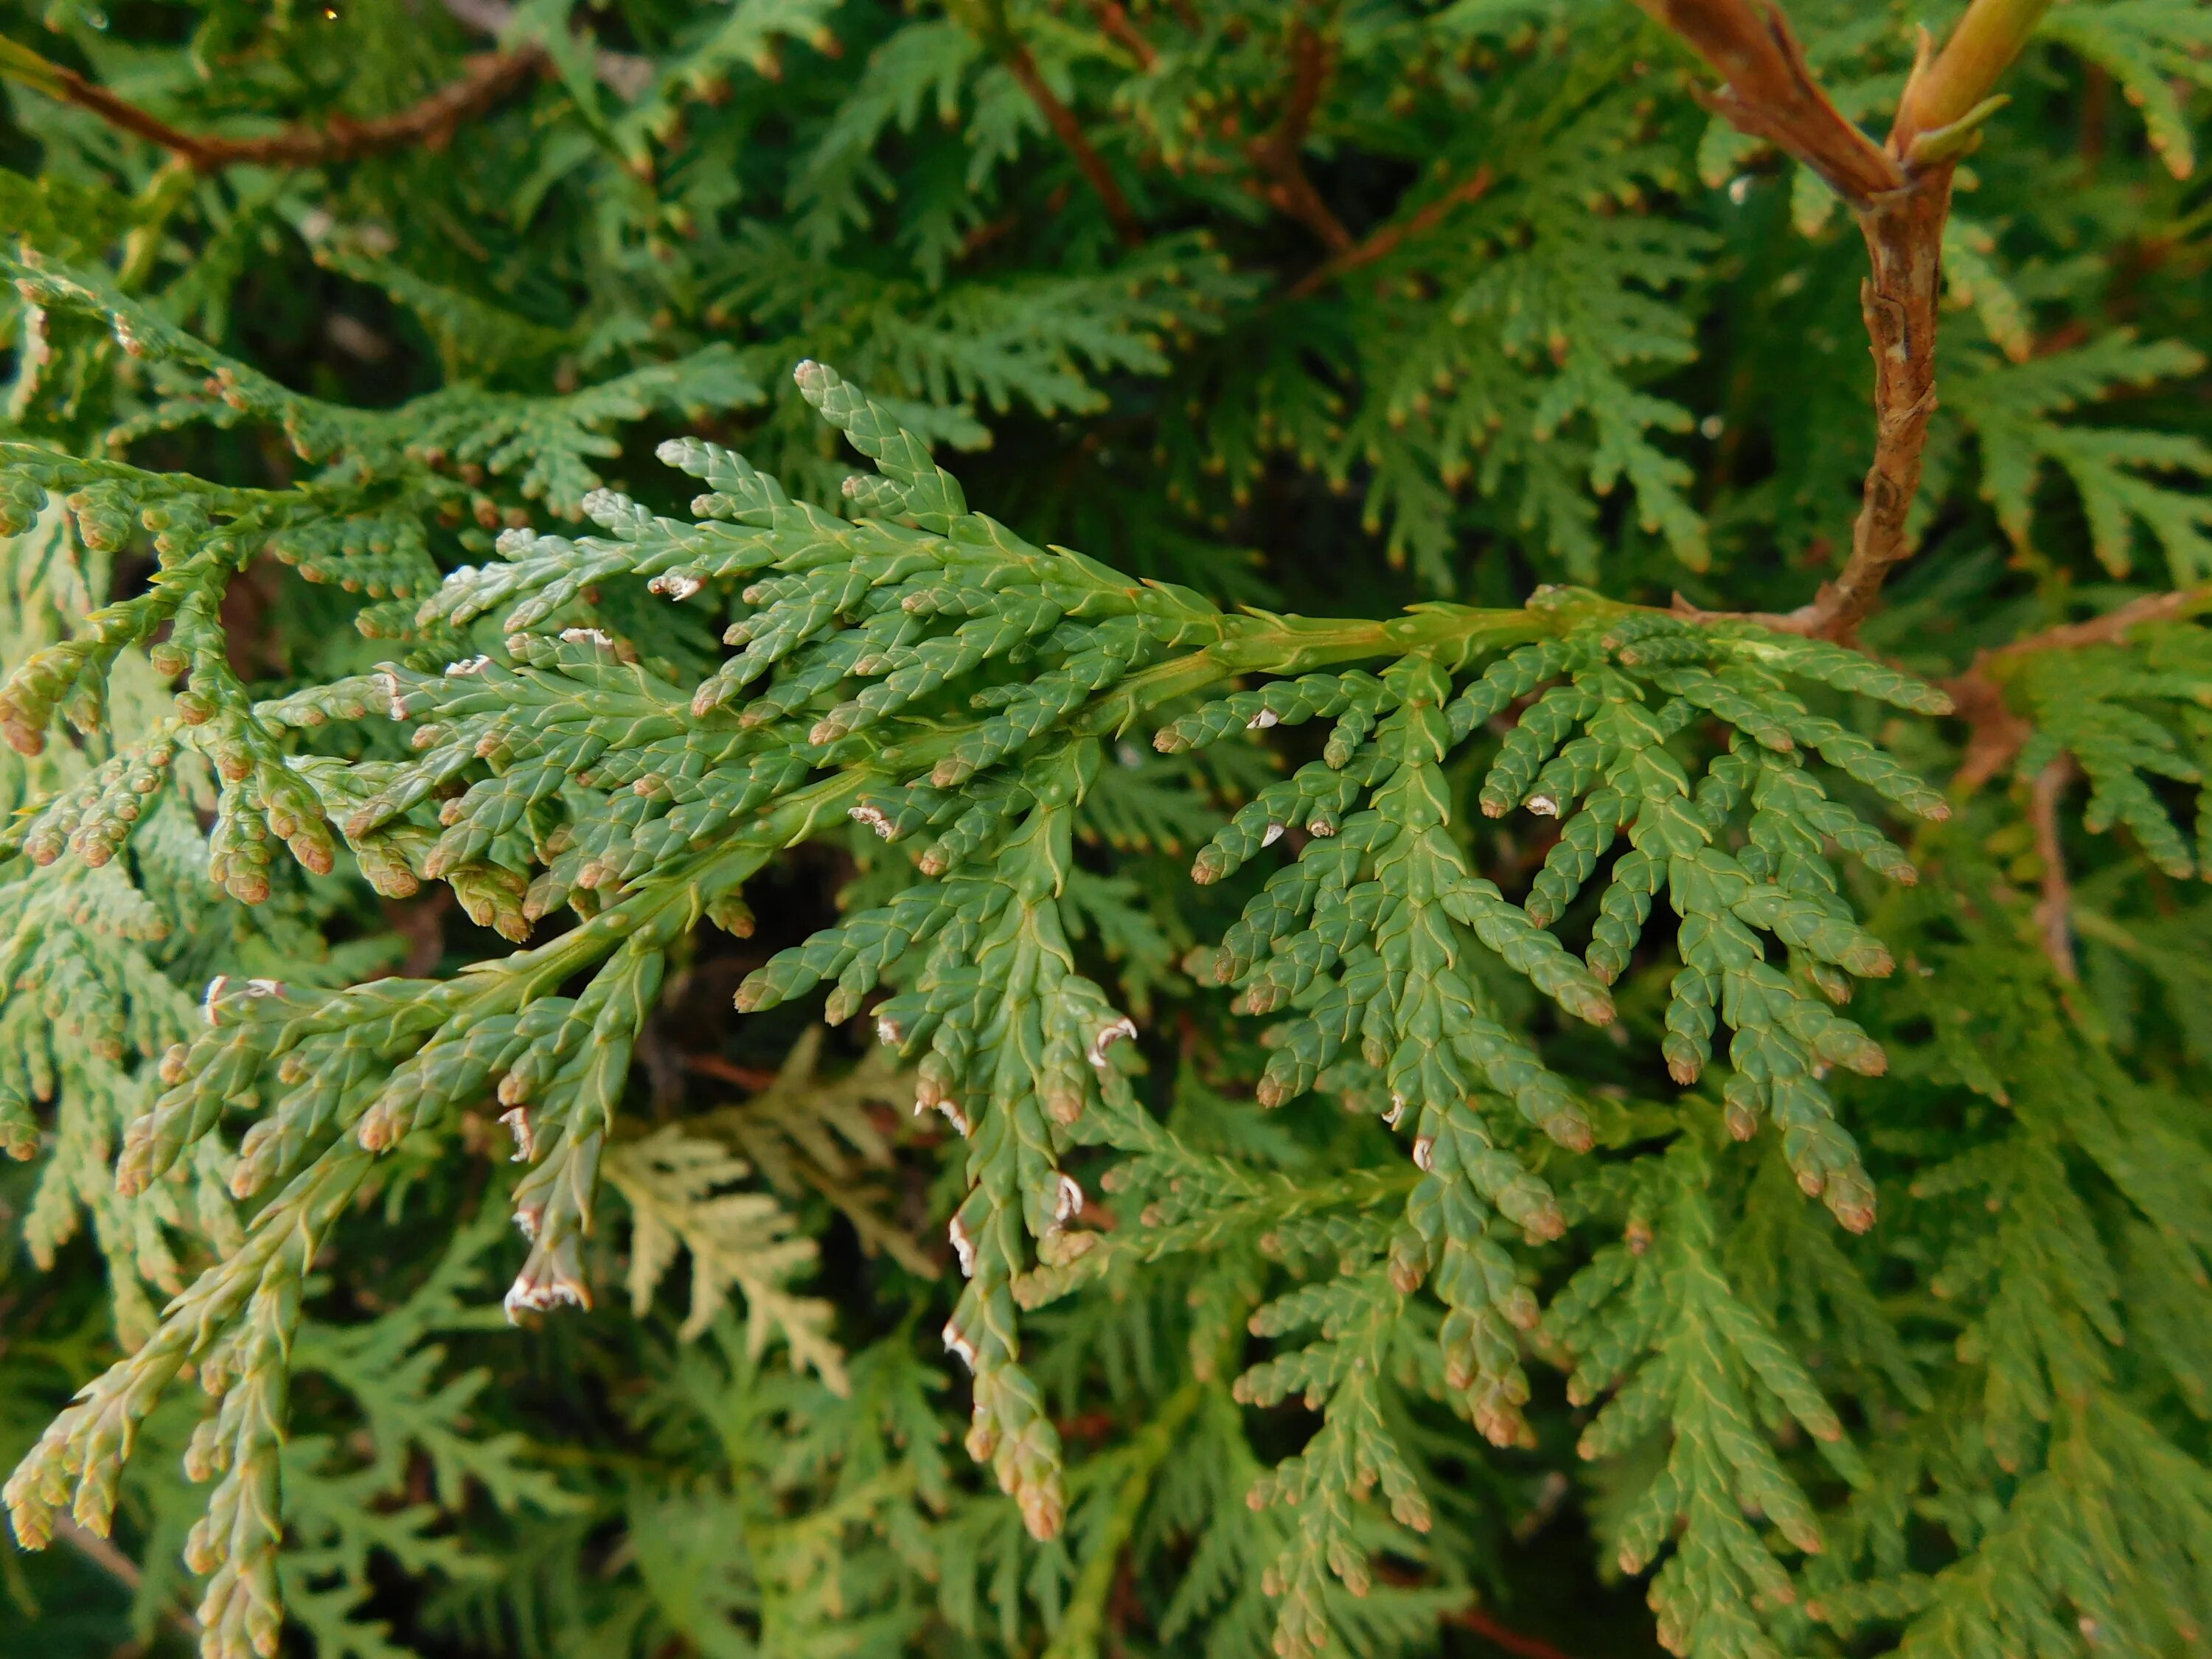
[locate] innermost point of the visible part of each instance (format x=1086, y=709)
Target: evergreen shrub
x=1507, y=952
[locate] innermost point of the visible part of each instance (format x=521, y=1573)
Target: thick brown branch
x=487, y=78
x=1276, y=153
x=2054, y=911
x=1770, y=93
x=1903, y=235
x=1901, y=193
x=1387, y=240
x=1069, y=130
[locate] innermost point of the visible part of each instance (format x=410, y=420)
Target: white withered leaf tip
x=1107, y=1036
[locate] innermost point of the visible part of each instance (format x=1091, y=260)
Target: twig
x=1276, y=152
x=1905, y=238
x=990, y=231
x=2113, y=627
x=1388, y=240
x=105, y=1555
x=727, y=1070
x=1475, y=1619
x=1061, y=119
x=157, y=203
x=2054, y=911
x=1901, y=194
x=421, y=922
x=1503, y=1636
x=488, y=77
x=1995, y=733
x=1114, y=20
x=987, y=19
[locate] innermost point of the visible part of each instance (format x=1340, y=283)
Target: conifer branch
x=488, y=78
x=1498, y=1635
x=1069, y=130
x=2054, y=911
x=1387, y=240
x=1116, y=23
x=1996, y=733
x=1901, y=194
x=1083, y=1626
x=1421, y=854
x=1276, y=153
x=987, y=19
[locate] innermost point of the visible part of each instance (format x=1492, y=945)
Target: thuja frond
x=547, y=443
x=1619, y=780
x=2121, y=475
x=1322, y=1023
x=2073, y=1239
x=860, y=641
x=1655, y=1321
x=813, y=1134
x=676, y=1186
x=2150, y=48
x=2127, y=714
x=1323, y=1017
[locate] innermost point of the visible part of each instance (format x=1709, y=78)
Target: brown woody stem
x=2054, y=911
x=1995, y=733
x=2114, y=626
x=120, y=1567
x=487, y=78
x=1904, y=233
x=1769, y=92
x=1114, y=21
x=1901, y=194
x=1069, y=130
x=1388, y=240
x=1522, y=1646
x=1276, y=153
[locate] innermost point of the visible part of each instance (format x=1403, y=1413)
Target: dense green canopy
x=1242, y=826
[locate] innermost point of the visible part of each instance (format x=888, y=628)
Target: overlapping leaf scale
x=1620, y=779
x=1655, y=1321
x=2128, y=715
x=1367, y=936
x=1013, y=1050
x=1340, y=1375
